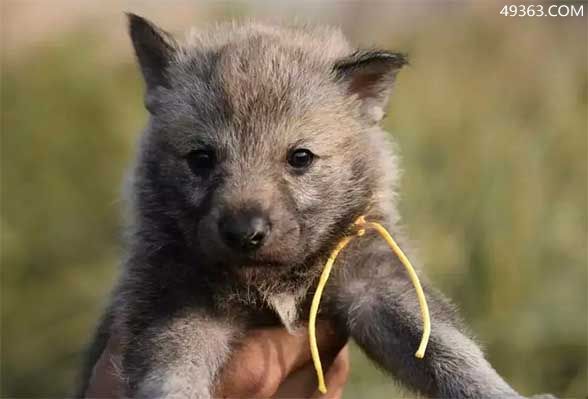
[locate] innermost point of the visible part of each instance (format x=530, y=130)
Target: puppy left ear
x=370, y=76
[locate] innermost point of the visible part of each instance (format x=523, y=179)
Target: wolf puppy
x=263, y=147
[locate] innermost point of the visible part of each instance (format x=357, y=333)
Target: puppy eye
x=201, y=161
x=300, y=158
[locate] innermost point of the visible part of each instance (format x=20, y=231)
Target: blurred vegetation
x=491, y=119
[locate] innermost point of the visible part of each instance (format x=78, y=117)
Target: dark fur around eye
x=201, y=162
x=300, y=158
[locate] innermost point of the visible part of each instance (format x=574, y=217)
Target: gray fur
x=252, y=93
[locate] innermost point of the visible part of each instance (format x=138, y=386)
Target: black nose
x=244, y=232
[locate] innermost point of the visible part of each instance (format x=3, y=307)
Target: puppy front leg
x=377, y=305
x=179, y=358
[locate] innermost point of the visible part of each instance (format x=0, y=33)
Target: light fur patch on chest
x=286, y=306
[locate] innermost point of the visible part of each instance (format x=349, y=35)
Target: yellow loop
x=363, y=224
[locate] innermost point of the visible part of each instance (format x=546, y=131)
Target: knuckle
x=256, y=380
x=341, y=367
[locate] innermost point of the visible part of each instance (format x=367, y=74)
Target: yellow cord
x=363, y=224
x=316, y=300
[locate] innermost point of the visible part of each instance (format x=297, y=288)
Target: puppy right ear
x=154, y=48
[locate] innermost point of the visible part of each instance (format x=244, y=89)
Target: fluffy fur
x=250, y=94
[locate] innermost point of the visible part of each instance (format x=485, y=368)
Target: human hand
x=269, y=363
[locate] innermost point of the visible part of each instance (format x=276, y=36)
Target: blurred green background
x=491, y=119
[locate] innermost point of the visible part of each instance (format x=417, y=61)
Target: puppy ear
x=154, y=48
x=370, y=75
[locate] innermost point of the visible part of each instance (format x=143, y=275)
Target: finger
x=299, y=384
x=336, y=376
x=303, y=382
x=266, y=357
x=105, y=381
x=294, y=349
